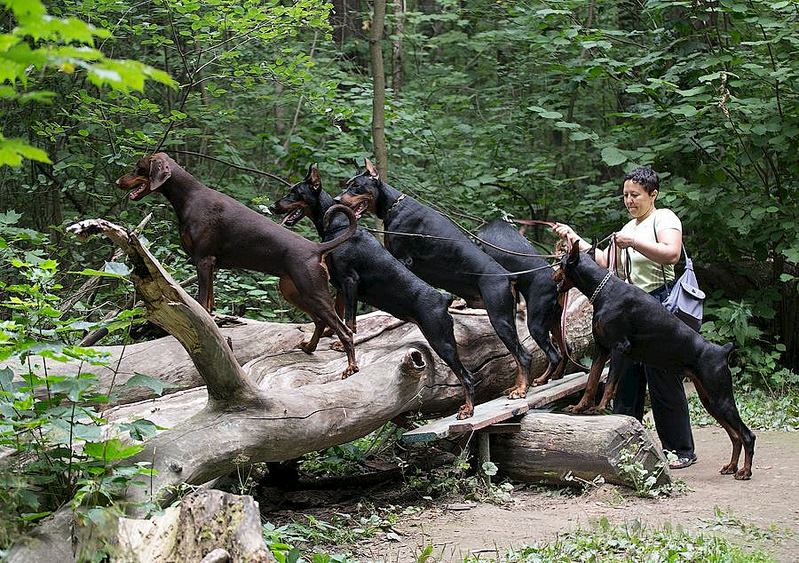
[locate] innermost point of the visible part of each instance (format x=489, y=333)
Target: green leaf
x=12, y=151
x=613, y=156
x=111, y=450
x=685, y=110
x=99, y=273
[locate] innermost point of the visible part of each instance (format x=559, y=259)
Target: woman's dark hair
x=646, y=177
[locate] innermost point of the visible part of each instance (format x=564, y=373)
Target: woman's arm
x=666, y=251
x=567, y=233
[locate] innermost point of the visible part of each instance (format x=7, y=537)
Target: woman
x=651, y=243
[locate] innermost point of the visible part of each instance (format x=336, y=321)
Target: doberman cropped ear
x=574, y=253
x=313, y=177
x=729, y=352
x=371, y=169
x=159, y=171
x=592, y=252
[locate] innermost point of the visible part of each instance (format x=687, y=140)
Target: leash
x=533, y=222
x=478, y=239
x=463, y=229
x=466, y=231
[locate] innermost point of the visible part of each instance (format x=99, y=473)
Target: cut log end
x=413, y=363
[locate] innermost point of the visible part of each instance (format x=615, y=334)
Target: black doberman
x=444, y=257
x=536, y=285
x=217, y=231
x=631, y=323
x=361, y=269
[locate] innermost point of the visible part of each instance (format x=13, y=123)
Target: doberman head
x=574, y=266
x=150, y=173
x=299, y=201
x=363, y=191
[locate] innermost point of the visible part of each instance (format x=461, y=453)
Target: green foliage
x=635, y=542
x=288, y=542
x=39, y=42
x=644, y=481
x=756, y=362
x=727, y=522
x=760, y=409
x=62, y=450
x=348, y=458
x=458, y=479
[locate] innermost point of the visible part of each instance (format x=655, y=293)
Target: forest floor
x=761, y=513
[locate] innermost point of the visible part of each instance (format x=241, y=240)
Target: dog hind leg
x=715, y=391
x=438, y=328
x=500, y=305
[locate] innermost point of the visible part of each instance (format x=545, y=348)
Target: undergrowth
x=634, y=542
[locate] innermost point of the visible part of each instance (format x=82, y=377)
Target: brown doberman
x=631, y=325
x=217, y=231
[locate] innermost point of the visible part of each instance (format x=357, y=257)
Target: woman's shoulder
x=667, y=219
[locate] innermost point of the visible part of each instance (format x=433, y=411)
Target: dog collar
x=395, y=204
x=599, y=287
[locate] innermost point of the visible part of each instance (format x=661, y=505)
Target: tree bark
x=396, y=44
x=565, y=449
x=208, y=526
x=379, y=88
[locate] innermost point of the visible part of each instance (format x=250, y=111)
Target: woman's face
x=637, y=201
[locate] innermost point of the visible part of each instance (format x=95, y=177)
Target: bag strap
x=688, y=264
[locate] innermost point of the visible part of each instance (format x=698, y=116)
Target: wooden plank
x=498, y=410
x=485, y=414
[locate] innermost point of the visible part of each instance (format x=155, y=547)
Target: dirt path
x=771, y=498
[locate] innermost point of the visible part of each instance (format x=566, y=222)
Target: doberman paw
x=337, y=346
x=729, y=469
x=540, y=381
x=466, y=411
x=351, y=369
x=307, y=348
x=743, y=475
x=579, y=408
x=516, y=392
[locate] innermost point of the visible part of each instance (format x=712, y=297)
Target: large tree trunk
x=566, y=449
x=379, y=87
x=282, y=405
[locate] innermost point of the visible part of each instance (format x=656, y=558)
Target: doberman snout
x=150, y=174
x=358, y=203
x=292, y=210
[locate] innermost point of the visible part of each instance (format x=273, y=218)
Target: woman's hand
x=624, y=241
x=566, y=232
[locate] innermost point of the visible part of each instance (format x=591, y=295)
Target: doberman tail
x=326, y=247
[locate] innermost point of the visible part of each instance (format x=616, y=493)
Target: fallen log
x=567, y=450
x=284, y=403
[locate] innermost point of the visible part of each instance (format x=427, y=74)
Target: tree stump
x=208, y=525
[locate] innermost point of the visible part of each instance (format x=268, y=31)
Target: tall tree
x=379, y=86
x=396, y=46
